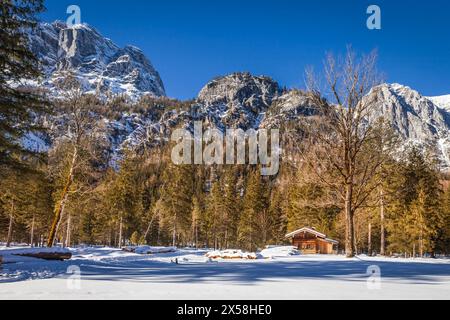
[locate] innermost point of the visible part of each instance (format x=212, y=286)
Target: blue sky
x=192, y=41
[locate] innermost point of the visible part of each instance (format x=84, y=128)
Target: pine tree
x=24, y=204
x=279, y=219
x=37, y=213
x=253, y=221
x=11, y=202
x=196, y=222
x=416, y=222
x=125, y=197
x=415, y=217
x=212, y=215
x=443, y=237
x=176, y=200
x=228, y=210
x=18, y=106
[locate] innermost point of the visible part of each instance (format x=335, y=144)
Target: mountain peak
x=102, y=66
x=239, y=87
x=414, y=117
x=239, y=99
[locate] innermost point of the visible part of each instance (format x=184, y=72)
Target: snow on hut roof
x=308, y=230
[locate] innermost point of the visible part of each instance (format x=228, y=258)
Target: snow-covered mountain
x=100, y=64
x=414, y=117
x=241, y=100
x=411, y=114
x=238, y=100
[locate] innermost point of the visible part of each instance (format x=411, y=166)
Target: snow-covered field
x=107, y=273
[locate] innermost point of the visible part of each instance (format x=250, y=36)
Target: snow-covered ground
x=107, y=273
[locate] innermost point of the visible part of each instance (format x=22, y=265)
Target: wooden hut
x=310, y=241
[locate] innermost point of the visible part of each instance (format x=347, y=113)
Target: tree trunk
x=370, y=240
x=349, y=225
x=110, y=236
x=149, y=227
x=116, y=241
x=119, y=244
x=196, y=236
x=421, y=244
x=10, y=229
x=158, y=237
x=61, y=204
x=68, y=231
x=32, y=232
x=382, y=228
x=265, y=224
x=207, y=239
x=174, y=236
x=226, y=238
x=63, y=210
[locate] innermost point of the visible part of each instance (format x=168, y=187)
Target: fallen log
x=58, y=254
x=51, y=256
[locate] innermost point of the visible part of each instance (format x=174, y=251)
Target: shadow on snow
x=236, y=272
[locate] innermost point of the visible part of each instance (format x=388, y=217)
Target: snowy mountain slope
x=100, y=64
x=414, y=117
x=442, y=102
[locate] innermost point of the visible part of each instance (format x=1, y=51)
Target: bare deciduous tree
x=344, y=146
x=76, y=142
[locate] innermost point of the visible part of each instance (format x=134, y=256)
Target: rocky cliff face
x=413, y=116
x=416, y=119
x=101, y=65
x=239, y=100
x=288, y=107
